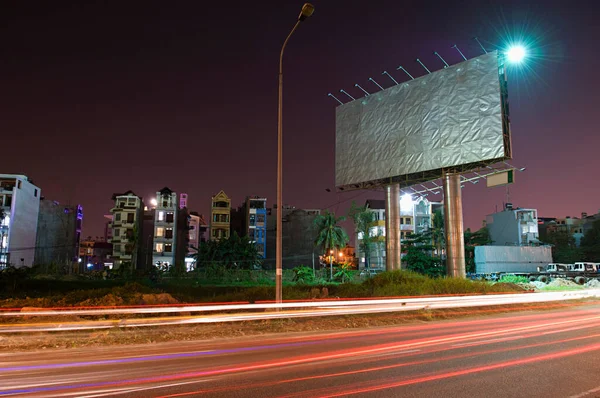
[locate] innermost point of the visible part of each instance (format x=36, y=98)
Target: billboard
x=455, y=119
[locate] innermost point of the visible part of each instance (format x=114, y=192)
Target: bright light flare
x=516, y=54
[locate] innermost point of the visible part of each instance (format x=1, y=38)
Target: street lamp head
x=330, y=251
x=516, y=54
x=307, y=11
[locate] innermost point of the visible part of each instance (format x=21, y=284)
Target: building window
x=159, y=247
x=34, y=192
x=251, y=234
x=168, y=248
x=118, y=217
x=161, y=216
x=260, y=219
x=19, y=184
x=170, y=217
x=169, y=233
x=214, y=233
x=116, y=232
x=252, y=220
x=160, y=232
x=130, y=217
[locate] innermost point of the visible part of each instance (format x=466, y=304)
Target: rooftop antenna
x=480, y=45
x=405, y=71
x=423, y=65
x=335, y=98
x=390, y=76
x=365, y=91
x=460, y=52
x=344, y=91
x=440, y=57
x=377, y=84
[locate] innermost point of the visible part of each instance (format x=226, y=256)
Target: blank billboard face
x=453, y=117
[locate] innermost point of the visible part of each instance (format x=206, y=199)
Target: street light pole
x=307, y=10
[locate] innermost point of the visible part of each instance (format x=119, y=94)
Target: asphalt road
x=534, y=354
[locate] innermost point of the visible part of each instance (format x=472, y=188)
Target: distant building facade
x=513, y=227
x=165, y=228
x=94, y=254
x=220, y=227
x=298, y=237
x=250, y=219
x=59, y=235
x=20, y=205
x=126, y=225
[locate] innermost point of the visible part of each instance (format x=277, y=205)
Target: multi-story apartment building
x=126, y=225
x=58, y=235
x=250, y=219
x=220, y=216
x=165, y=228
x=19, y=211
x=513, y=227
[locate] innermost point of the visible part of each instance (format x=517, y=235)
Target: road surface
x=529, y=354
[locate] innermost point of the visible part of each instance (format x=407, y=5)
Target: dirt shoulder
x=150, y=335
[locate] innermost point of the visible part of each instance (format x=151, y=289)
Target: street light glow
x=153, y=202
x=516, y=54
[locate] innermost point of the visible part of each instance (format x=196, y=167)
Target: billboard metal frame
x=421, y=177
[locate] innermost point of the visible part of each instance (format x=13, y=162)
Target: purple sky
x=104, y=96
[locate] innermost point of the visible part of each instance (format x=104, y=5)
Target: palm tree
x=330, y=235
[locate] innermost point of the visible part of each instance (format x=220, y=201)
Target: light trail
x=294, y=310
x=339, y=354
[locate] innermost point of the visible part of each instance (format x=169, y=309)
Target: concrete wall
x=22, y=230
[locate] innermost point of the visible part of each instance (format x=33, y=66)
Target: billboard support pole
x=453, y=222
x=392, y=227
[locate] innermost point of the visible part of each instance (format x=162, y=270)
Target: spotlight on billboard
x=516, y=54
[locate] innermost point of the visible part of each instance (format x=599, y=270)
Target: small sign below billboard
x=503, y=178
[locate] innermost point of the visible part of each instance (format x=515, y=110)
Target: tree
x=363, y=220
x=419, y=257
x=590, y=243
x=563, y=245
x=472, y=239
x=330, y=235
x=233, y=252
x=437, y=235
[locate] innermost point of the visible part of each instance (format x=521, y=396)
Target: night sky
x=101, y=97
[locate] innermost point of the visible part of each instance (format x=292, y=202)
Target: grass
x=112, y=292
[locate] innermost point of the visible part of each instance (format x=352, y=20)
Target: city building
x=58, y=235
x=165, y=228
x=108, y=232
x=19, y=211
x=513, y=227
x=126, y=225
x=183, y=198
x=250, y=219
x=94, y=254
x=298, y=234
x=197, y=231
x=416, y=216
x=220, y=216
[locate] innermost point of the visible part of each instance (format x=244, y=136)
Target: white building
x=513, y=227
x=126, y=225
x=165, y=228
x=20, y=204
x=415, y=217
